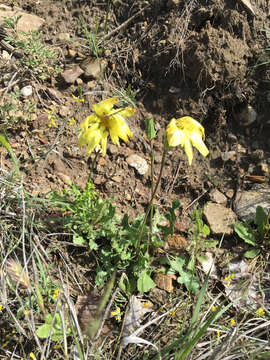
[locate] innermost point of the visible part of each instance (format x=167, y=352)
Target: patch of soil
x=196, y=59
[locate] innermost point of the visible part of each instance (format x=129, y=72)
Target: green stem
x=152, y=190
x=165, y=150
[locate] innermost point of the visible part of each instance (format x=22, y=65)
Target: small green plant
x=255, y=233
x=94, y=222
x=37, y=57
x=199, y=239
x=53, y=327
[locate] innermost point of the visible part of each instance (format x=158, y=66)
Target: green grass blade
x=5, y=143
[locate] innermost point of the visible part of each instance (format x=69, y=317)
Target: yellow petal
x=104, y=107
x=129, y=111
x=188, y=150
x=119, y=129
x=104, y=139
x=199, y=144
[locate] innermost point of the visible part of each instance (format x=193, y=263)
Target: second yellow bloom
x=187, y=132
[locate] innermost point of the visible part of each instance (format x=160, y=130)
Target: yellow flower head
x=105, y=121
x=187, y=132
x=260, y=312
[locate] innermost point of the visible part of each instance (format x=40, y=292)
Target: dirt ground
x=197, y=59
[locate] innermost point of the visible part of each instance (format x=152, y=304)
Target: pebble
x=217, y=197
x=247, y=116
x=138, y=163
x=71, y=75
x=219, y=218
x=228, y=155
x=246, y=202
x=64, y=36
x=27, y=91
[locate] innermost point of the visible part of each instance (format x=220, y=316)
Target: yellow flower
x=213, y=308
x=55, y=294
x=71, y=121
x=117, y=313
x=1, y=307
x=232, y=322
x=77, y=99
x=260, y=311
x=218, y=333
x=187, y=132
x=32, y=356
x=105, y=121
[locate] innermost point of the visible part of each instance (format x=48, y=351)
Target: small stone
x=72, y=53
x=247, y=116
x=217, y=197
x=228, y=155
x=64, y=36
x=164, y=282
x=79, y=81
x=219, y=218
x=230, y=193
x=71, y=75
x=113, y=149
x=64, y=111
x=65, y=178
x=27, y=91
x=92, y=67
x=117, y=179
x=6, y=55
x=246, y=202
x=138, y=163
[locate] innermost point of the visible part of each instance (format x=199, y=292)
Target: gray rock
x=247, y=115
x=217, y=197
x=219, y=218
x=246, y=202
x=27, y=91
x=138, y=163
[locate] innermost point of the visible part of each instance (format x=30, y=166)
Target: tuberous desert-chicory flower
x=187, y=132
x=106, y=120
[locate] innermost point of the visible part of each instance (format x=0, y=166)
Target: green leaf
x=250, y=254
x=43, y=331
x=261, y=220
x=77, y=239
x=178, y=263
x=5, y=143
x=150, y=129
x=245, y=232
x=205, y=230
x=144, y=282
x=210, y=243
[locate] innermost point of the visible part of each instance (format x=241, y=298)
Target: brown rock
x=92, y=67
x=26, y=23
x=164, y=282
x=217, y=197
x=71, y=75
x=219, y=218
